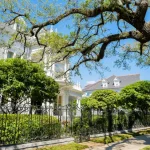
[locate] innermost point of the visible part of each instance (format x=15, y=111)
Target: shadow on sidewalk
x=143, y=139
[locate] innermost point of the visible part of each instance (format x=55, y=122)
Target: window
x=104, y=83
x=59, y=102
x=57, y=108
x=116, y=82
x=18, y=26
x=10, y=54
x=59, y=67
x=59, y=70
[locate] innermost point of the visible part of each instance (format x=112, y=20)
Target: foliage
x=20, y=80
x=142, y=132
x=91, y=37
x=146, y=148
x=136, y=96
x=22, y=128
x=101, y=99
x=53, y=40
x=94, y=121
x=106, y=98
x=136, y=99
x=90, y=102
x=71, y=146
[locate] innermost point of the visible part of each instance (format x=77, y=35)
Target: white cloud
x=90, y=82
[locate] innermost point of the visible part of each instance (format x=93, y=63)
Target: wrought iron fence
x=36, y=123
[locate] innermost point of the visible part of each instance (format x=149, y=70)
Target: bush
x=98, y=123
x=18, y=128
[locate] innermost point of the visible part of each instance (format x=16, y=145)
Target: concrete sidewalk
x=135, y=143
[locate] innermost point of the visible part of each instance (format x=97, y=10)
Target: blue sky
x=93, y=76
x=88, y=77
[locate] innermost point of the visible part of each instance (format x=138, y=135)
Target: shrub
x=18, y=128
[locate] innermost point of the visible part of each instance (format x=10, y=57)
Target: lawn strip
x=70, y=146
x=119, y=137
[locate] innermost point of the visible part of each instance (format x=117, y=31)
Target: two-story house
x=68, y=91
x=114, y=82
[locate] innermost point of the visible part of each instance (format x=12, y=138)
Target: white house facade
x=68, y=91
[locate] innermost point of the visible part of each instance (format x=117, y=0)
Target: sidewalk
x=135, y=143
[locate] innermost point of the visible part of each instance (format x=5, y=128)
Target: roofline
x=107, y=78
x=128, y=75
x=105, y=89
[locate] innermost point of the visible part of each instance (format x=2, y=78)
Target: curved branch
x=124, y=13
x=132, y=34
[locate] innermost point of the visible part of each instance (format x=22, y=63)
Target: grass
x=105, y=140
x=142, y=132
x=70, y=146
x=110, y=139
x=146, y=148
x=119, y=137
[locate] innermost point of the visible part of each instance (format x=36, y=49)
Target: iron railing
x=37, y=123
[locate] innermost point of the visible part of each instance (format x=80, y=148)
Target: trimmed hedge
x=18, y=128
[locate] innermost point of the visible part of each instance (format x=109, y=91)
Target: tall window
x=10, y=54
x=59, y=102
x=59, y=67
x=59, y=70
x=57, y=110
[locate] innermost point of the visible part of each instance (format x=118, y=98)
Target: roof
x=123, y=80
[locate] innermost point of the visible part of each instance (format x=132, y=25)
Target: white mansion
x=68, y=91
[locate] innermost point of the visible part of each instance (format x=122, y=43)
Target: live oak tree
x=100, y=28
x=21, y=80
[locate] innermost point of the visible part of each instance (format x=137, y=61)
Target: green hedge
x=92, y=124
x=26, y=128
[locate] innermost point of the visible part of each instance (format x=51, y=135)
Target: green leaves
x=101, y=99
x=18, y=128
x=136, y=95
x=20, y=79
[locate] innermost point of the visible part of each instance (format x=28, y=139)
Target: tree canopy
x=136, y=96
x=101, y=99
x=21, y=80
x=100, y=28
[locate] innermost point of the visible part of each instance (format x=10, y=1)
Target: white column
x=53, y=70
x=65, y=101
x=51, y=109
x=14, y=56
x=0, y=98
x=78, y=111
x=5, y=53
